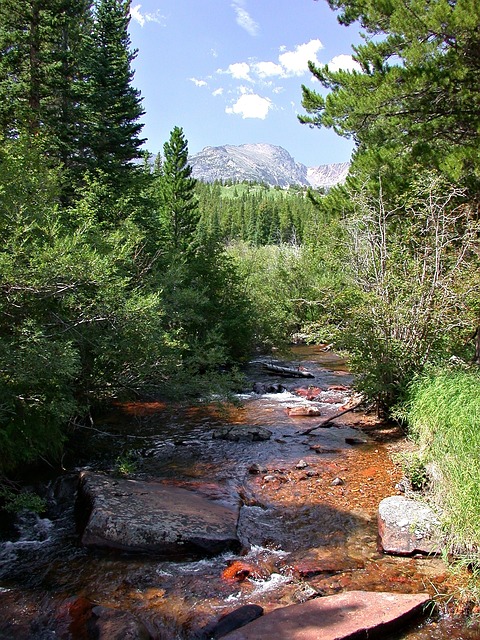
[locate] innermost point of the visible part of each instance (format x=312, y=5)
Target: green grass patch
x=443, y=413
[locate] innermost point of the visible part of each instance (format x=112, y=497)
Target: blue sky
x=230, y=72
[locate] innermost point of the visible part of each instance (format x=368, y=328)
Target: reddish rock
x=303, y=411
x=309, y=393
x=149, y=517
x=72, y=617
x=407, y=526
x=238, y=571
x=348, y=615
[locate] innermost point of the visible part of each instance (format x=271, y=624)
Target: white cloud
x=239, y=71
x=244, y=19
x=295, y=63
x=251, y=105
x=268, y=69
x=198, y=83
x=142, y=18
x=344, y=62
x=217, y=92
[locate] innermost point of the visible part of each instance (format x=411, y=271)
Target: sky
x=231, y=72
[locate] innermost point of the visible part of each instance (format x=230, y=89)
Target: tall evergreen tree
x=179, y=207
x=40, y=50
x=113, y=108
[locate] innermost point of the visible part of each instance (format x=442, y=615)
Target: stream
x=307, y=525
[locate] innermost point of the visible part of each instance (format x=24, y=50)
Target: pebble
x=336, y=482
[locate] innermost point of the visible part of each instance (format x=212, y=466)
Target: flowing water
x=307, y=522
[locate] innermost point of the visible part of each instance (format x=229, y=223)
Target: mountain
x=264, y=163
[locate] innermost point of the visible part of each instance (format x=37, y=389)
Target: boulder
x=303, y=411
x=242, y=433
x=348, y=615
x=149, y=517
x=407, y=526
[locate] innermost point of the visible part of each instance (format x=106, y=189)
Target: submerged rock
x=407, y=526
x=149, y=517
x=242, y=433
x=110, y=624
x=352, y=614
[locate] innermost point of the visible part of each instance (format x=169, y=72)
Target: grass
x=443, y=413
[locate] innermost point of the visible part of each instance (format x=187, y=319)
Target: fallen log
x=288, y=372
x=326, y=423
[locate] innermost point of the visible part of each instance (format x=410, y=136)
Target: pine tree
x=179, y=207
x=40, y=49
x=415, y=99
x=111, y=126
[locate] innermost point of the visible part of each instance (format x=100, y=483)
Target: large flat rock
x=407, y=526
x=345, y=616
x=149, y=517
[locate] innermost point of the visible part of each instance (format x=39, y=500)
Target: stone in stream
x=149, y=517
x=407, y=526
x=348, y=615
x=242, y=433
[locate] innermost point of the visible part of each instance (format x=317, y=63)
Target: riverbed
x=308, y=522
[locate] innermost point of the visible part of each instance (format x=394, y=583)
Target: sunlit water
x=301, y=535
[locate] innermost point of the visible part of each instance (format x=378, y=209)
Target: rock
x=303, y=411
x=356, y=441
x=110, y=624
x=348, y=615
x=148, y=517
x=309, y=393
x=234, y=620
x=318, y=448
x=315, y=562
x=261, y=388
x=407, y=526
x=301, y=464
x=242, y=433
x=238, y=571
x=255, y=469
x=337, y=482
x=72, y=617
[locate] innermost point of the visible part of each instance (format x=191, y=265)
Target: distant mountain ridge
x=262, y=162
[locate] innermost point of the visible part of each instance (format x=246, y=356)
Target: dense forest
x=126, y=278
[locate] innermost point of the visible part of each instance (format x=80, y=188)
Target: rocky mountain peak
x=262, y=162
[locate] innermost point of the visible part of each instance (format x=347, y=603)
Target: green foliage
x=174, y=189
x=414, y=98
x=415, y=470
x=76, y=322
x=126, y=464
x=443, y=413
x=254, y=213
x=15, y=501
x=411, y=264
